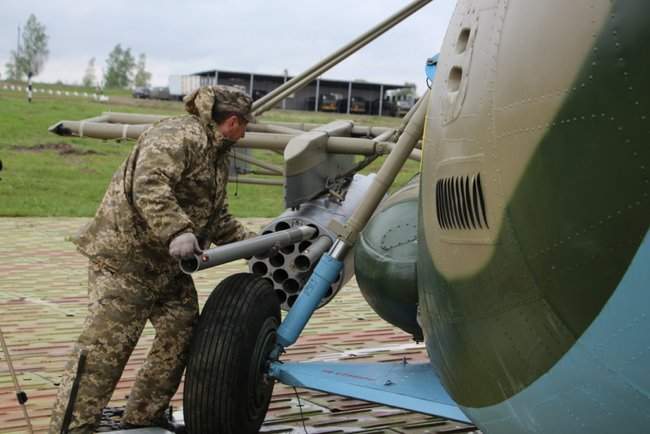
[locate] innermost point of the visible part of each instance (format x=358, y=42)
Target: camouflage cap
x=227, y=98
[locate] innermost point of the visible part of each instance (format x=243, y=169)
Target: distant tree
x=35, y=47
x=89, y=77
x=31, y=53
x=142, y=76
x=119, y=67
x=12, y=69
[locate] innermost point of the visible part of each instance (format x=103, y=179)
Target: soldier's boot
x=166, y=421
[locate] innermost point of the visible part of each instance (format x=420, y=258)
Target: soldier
x=166, y=201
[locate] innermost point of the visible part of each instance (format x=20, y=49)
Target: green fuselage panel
x=568, y=233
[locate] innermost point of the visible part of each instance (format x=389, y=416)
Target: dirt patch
x=60, y=148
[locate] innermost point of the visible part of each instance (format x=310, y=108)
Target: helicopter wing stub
x=409, y=386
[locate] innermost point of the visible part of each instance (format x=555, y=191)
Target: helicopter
x=520, y=255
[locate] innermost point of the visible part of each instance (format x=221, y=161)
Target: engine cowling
x=385, y=260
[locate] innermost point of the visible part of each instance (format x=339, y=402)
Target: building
x=357, y=97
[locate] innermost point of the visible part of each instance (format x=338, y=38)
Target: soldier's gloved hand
x=184, y=246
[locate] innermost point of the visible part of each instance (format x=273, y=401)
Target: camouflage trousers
x=119, y=307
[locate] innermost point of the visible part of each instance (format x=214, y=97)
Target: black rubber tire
x=226, y=391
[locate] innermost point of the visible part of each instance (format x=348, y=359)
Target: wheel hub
x=260, y=386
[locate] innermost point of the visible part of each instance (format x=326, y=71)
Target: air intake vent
x=460, y=203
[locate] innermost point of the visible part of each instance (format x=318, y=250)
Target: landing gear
x=226, y=389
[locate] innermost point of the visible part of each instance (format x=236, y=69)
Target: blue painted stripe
x=602, y=384
x=325, y=273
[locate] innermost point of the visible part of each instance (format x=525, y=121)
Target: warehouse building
x=356, y=97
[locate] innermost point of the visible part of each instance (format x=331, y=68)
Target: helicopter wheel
x=226, y=389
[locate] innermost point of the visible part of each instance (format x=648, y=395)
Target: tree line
x=32, y=52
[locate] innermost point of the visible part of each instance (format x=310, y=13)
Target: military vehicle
x=328, y=102
x=358, y=105
x=397, y=102
x=142, y=92
x=520, y=255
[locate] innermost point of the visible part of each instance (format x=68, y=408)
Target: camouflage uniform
x=174, y=181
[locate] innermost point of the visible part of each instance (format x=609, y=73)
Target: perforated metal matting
x=43, y=304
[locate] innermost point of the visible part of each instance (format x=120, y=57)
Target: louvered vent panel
x=460, y=203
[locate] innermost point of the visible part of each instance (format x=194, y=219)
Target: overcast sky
x=236, y=35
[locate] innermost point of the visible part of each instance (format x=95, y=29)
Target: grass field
x=47, y=175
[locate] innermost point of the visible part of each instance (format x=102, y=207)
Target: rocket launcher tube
x=312, y=254
x=246, y=248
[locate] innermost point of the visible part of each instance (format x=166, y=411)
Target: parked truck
x=181, y=85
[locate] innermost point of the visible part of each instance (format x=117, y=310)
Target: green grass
x=37, y=180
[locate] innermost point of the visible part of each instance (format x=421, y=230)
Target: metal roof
x=323, y=81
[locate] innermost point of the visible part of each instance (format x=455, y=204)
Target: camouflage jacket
x=173, y=181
